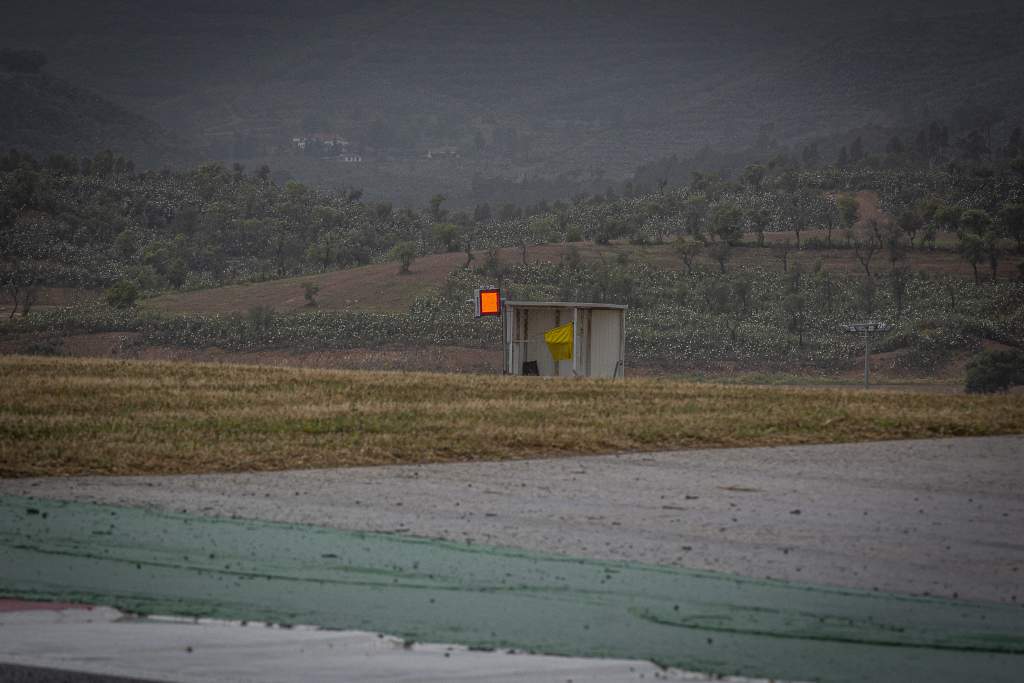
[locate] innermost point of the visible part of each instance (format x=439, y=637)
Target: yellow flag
x=559, y=341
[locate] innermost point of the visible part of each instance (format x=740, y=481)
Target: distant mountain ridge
x=526, y=89
x=43, y=115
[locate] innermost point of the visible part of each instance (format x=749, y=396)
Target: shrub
x=492, y=265
x=993, y=371
x=571, y=258
x=122, y=295
x=260, y=317
x=309, y=291
x=52, y=346
x=404, y=253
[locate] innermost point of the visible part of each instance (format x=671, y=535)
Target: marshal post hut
x=564, y=339
x=558, y=338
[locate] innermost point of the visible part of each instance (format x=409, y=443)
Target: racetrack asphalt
x=938, y=517
x=592, y=554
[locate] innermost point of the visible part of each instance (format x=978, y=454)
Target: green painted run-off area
x=436, y=591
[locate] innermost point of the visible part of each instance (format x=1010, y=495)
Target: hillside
x=42, y=115
x=379, y=287
x=530, y=89
x=716, y=274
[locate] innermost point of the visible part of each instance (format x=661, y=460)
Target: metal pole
x=506, y=343
x=575, y=341
x=867, y=350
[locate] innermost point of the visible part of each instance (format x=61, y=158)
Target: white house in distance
x=330, y=145
x=599, y=338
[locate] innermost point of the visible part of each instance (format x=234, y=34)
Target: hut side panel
x=606, y=343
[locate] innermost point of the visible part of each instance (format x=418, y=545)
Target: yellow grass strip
x=82, y=416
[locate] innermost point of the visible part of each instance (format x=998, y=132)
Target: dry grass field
x=62, y=416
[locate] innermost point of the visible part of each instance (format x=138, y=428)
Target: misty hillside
x=429, y=96
x=42, y=115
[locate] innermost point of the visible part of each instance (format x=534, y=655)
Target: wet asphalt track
x=942, y=517
x=921, y=517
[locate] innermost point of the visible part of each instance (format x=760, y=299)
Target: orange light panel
x=490, y=302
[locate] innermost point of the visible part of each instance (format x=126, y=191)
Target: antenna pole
x=867, y=351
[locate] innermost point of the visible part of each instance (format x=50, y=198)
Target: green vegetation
x=122, y=295
x=91, y=222
x=260, y=328
x=309, y=292
x=994, y=371
x=405, y=254
x=753, y=318
x=61, y=416
x=715, y=297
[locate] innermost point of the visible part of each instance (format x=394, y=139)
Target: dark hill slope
x=43, y=115
x=528, y=88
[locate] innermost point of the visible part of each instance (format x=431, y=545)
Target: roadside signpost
x=488, y=302
x=867, y=329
